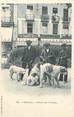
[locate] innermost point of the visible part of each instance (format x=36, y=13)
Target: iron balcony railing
x=6, y=19
x=27, y=35
x=66, y=19
x=6, y=22
x=45, y=18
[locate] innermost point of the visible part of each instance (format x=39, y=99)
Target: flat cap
x=28, y=41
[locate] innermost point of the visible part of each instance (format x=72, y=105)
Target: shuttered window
x=44, y=11
x=55, y=28
x=65, y=14
x=29, y=27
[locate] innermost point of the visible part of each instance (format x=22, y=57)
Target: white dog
x=52, y=71
x=45, y=71
x=18, y=71
x=33, y=78
x=57, y=70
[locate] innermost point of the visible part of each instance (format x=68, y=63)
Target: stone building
x=49, y=22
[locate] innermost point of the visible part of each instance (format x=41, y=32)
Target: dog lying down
x=51, y=72
x=18, y=71
x=33, y=78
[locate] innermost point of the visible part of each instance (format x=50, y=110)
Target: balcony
x=27, y=35
x=65, y=19
x=55, y=19
x=29, y=17
x=44, y=18
x=6, y=22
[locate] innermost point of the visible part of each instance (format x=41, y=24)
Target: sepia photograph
x=36, y=53
x=36, y=42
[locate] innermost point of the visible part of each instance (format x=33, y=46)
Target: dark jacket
x=63, y=58
x=29, y=55
x=47, y=56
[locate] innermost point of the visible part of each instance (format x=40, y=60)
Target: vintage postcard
x=36, y=56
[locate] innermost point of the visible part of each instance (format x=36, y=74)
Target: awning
x=6, y=34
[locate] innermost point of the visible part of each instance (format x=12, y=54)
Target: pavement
x=15, y=87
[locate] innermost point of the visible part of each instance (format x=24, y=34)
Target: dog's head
x=29, y=80
x=38, y=65
x=20, y=76
x=63, y=70
x=34, y=74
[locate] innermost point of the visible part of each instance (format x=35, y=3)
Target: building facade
x=49, y=22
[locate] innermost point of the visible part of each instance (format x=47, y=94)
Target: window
x=55, y=28
x=29, y=27
x=65, y=14
x=65, y=26
x=29, y=9
x=44, y=28
x=44, y=10
x=55, y=10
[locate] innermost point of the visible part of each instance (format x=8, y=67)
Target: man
x=46, y=55
x=28, y=56
x=63, y=60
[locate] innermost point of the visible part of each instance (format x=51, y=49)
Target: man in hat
x=28, y=56
x=46, y=54
x=63, y=60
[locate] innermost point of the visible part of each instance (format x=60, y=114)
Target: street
x=15, y=87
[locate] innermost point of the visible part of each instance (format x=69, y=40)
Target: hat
x=46, y=44
x=28, y=42
x=63, y=45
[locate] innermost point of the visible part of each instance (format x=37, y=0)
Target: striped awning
x=6, y=34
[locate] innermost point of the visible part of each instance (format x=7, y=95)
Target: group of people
x=46, y=56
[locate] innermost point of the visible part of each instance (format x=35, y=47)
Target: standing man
x=63, y=60
x=46, y=54
x=28, y=56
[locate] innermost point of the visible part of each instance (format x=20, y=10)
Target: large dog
x=52, y=72
x=18, y=71
x=33, y=78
